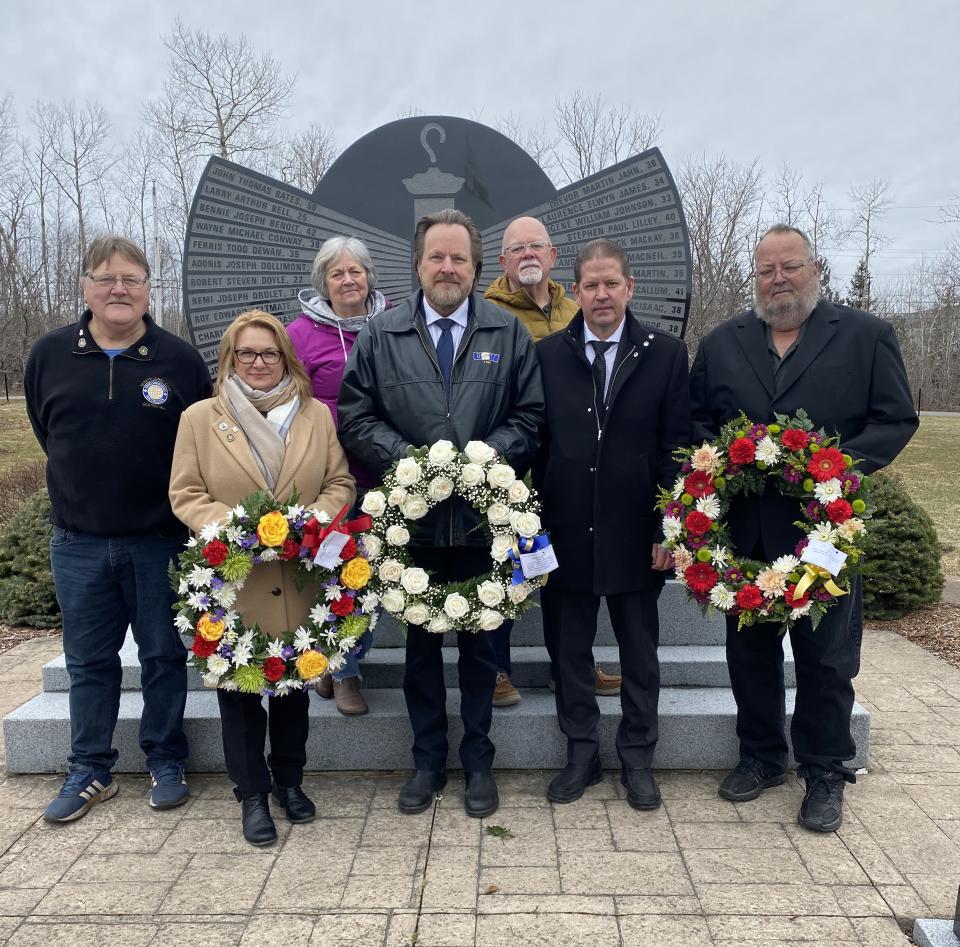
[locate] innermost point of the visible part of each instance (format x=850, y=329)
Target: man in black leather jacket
x=445, y=364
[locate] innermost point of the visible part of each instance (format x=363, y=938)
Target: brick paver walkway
x=699, y=871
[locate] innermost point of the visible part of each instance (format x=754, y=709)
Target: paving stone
x=386, y=828
x=433, y=930
x=103, y=935
x=385, y=861
x=546, y=930
x=623, y=873
x=938, y=802
x=452, y=826
x=861, y=901
x=349, y=930
x=904, y=902
x=376, y=891
x=127, y=867
x=20, y=901
x=869, y=855
x=285, y=890
x=450, y=880
x=110, y=897
x=826, y=857
x=217, y=836
x=528, y=880
x=277, y=930
x=199, y=935
x=702, y=835
x=585, y=813
x=191, y=892
x=658, y=904
x=585, y=840
x=497, y=903
x=879, y=932
x=638, y=930
x=939, y=891
x=770, y=930
x=768, y=899
x=743, y=865
x=126, y=839
x=640, y=831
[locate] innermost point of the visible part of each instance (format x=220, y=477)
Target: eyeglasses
x=790, y=268
x=129, y=282
x=248, y=356
x=538, y=246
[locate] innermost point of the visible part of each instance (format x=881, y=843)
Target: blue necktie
x=445, y=350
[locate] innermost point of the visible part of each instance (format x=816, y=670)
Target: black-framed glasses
x=107, y=281
x=790, y=268
x=538, y=246
x=249, y=356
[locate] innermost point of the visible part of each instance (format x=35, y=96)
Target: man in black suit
x=843, y=367
x=616, y=409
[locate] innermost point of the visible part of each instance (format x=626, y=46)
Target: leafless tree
x=536, y=140
x=870, y=201
x=306, y=156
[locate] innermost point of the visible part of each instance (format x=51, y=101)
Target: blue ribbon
x=525, y=545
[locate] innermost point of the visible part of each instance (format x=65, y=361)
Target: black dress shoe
x=569, y=784
x=295, y=801
x=481, y=797
x=749, y=778
x=419, y=790
x=642, y=789
x=258, y=827
x=822, y=806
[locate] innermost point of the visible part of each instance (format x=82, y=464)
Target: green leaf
x=498, y=831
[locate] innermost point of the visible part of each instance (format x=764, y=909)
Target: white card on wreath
x=819, y=553
x=538, y=563
x=328, y=555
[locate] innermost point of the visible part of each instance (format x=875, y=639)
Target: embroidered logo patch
x=486, y=357
x=155, y=391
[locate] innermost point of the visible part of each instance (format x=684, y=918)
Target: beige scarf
x=249, y=407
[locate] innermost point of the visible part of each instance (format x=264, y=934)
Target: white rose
x=372, y=545
x=439, y=623
x=518, y=593
x=471, y=475
x=414, y=508
x=456, y=606
x=390, y=570
x=398, y=535
x=442, y=453
x=393, y=601
x=490, y=592
x=498, y=514
x=518, y=491
x=374, y=503
x=526, y=524
x=440, y=488
x=500, y=546
x=417, y=614
x=408, y=472
x=500, y=476
x=479, y=452
x=415, y=580
x=489, y=619
x=396, y=496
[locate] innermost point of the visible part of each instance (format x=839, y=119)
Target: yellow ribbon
x=811, y=574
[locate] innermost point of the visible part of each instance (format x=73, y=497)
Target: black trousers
x=245, y=720
x=570, y=627
x=827, y=659
x=423, y=686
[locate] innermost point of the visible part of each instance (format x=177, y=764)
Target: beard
x=789, y=313
x=445, y=295
x=530, y=275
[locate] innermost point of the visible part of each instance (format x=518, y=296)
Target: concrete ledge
x=933, y=933
x=697, y=731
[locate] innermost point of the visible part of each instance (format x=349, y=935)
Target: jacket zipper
x=613, y=378
x=110, y=382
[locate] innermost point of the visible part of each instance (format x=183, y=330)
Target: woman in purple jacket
x=342, y=300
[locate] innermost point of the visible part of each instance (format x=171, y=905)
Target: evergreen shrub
x=27, y=596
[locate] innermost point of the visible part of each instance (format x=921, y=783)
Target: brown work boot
x=324, y=687
x=505, y=694
x=349, y=700
x=605, y=685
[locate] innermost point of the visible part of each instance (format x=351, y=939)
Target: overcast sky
x=842, y=91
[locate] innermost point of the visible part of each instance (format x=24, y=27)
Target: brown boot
x=505, y=694
x=324, y=687
x=349, y=700
x=606, y=685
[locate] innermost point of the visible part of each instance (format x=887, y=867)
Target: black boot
x=418, y=791
x=295, y=801
x=258, y=827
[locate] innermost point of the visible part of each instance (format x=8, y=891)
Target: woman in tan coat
x=262, y=430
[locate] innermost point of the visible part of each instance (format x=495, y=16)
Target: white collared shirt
x=459, y=316
x=610, y=356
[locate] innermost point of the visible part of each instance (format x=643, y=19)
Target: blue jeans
x=351, y=660
x=103, y=585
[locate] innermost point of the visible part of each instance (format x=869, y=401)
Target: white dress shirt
x=459, y=316
x=611, y=353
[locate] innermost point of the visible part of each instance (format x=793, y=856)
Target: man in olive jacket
x=444, y=364
x=617, y=407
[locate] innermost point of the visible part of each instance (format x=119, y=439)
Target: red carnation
x=749, y=597
x=839, y=511
x=342, y=606
x=742, y=451
x=203, y=648
x=793, y=439
x=216, y=552
x=794, y=600
x=273, y=669
x=290, y=550
x=349, y=550
x=698, y=523
x=700, y=577
x=826, y=464
x=699, y=484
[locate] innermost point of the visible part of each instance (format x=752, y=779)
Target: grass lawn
x=928, y=465
x=17, y=443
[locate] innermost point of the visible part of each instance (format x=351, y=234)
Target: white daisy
x=303, y=640
x=269, y=555
x=211, y=679
x=709, y=506
x=321, y=516
x=678, y=488
x=218, y=664
x=369, y=602
x=281, y=688
x=295, y=512
x=196, y=600
x=335, y=663
x=719, y=556
x=332, y=592
x=238, y=512
x=318, y=614
x=824, y=532
x=233, y=533
x=191, y=542
x=229, y=620
x=768, y=451
x=209, y=532
x=722, y=597
x=225, y=596
x=796, y=613
x=183, y=587
x=183, y=623
x=672, y=528
x=275, y=649
x=785, y=563
x=830, y=490
x=242, y=654
x=199, y=577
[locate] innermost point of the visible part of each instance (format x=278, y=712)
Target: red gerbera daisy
x=749, y=597
x=794, y=600
x=700, y=577
x=826, y=464
x=793, y=439
x=699, y=484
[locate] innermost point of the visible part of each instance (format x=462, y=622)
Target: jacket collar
x=143, y=350
x=483, y=314
x=499, y=290
x=635, y=341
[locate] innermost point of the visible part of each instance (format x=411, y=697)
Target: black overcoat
x=846, y=373
x=598, y=485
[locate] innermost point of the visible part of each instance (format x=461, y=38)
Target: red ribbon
x=314, y=533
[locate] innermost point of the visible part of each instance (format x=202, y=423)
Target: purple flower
x=287, y=652
x=798, y=550
x=791, y=475
x=216, y=583
x=674, y=508
x=225, y=651
x=204, y=601
x=218, y=614
x=822, y=595
x=257, y=560
x=269, y=693
x=246, y=540
x=686, y=467
x=304, y=552
x=813, y=511
x=851, y=483
x=758, y=432
x=733, y=575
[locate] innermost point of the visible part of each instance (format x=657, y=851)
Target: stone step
x=697, y=731
x=680, y=666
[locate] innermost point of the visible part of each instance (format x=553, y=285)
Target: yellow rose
x=356, y=573
x=208, y=629
x=311, y=664
x=273, y=529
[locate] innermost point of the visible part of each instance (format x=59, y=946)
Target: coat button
x=589, y=410
x=274, y=591
x=591, y=529
x=593, y=470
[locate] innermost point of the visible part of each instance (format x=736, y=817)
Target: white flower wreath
x=409, y=490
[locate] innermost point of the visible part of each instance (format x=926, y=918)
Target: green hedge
x=27, y=596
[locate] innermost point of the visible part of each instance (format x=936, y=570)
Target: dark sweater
x=108, y=426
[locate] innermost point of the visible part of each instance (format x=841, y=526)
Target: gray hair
x=785, y=228
x=103, y=248
x=330, y=252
